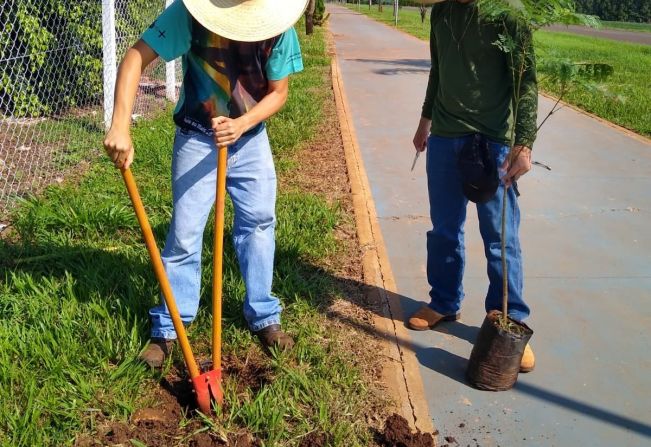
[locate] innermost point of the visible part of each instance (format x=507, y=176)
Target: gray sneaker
x=156, y=352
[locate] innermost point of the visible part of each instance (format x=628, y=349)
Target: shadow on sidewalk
x=398, y=66
x=454, y=366
x=101, y=273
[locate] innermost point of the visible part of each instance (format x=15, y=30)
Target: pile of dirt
x=315, y=439
x=397, y=433
x=250, y=373
x=160, y=425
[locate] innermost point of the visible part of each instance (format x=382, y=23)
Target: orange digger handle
x=218, y=260
x=159, y=271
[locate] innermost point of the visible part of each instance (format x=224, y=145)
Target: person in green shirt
x=469, y=109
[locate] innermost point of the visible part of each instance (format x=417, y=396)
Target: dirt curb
x=401, y=370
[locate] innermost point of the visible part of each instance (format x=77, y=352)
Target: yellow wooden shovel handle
x=218, y=259
x=159, y=271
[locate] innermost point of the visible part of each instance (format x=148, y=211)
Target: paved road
x=613, y=34
x=587, y=248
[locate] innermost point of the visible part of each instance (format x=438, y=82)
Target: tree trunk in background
x=309, y=17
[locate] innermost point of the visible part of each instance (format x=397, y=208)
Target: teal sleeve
x=170, y=35
x=285, y=57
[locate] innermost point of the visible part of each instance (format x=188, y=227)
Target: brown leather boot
x=157, y=351
x=273, y=336
x=528, y=362
x=426, y=318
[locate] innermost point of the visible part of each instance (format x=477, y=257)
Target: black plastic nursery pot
x=495, y=359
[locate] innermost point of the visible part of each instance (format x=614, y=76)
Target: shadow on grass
x=99, y=272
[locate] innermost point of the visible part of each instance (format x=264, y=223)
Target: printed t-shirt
x=221, y=77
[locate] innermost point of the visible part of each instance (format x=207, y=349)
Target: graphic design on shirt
x=237, y=69
x=220, y=77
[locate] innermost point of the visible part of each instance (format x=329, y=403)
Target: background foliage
x=51, y=52
x=623, y=10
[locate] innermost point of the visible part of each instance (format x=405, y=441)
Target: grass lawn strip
x=76, y=286
x=632, y=64
x=628, y=26
x=630, y=81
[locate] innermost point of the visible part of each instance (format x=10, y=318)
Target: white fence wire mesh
x=54, y=81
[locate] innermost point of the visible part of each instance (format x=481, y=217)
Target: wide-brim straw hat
x=246, y=20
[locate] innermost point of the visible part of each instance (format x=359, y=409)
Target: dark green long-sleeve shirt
x=470, y=87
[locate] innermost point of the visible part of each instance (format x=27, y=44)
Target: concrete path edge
x=615, y=126
x=401, y=372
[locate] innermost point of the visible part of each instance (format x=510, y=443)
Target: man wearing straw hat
x=465, y=126
x=237, y=56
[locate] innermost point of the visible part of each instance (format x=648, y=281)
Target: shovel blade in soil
x=207, y=387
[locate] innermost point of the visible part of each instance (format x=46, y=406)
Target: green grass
x=408, y=19
x=75, y=287
x=632, y=64
x=628, y=26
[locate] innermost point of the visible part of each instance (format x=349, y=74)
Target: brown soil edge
x=617, y=127
x=401, y=371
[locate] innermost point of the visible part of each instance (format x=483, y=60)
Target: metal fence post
x=170, y=73
x=109, y=58
x=395, y=8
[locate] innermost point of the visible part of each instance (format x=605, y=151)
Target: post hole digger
x=207, y=384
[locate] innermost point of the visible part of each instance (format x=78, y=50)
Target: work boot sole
x=446, y=318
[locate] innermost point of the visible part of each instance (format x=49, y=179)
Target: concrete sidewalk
x=586, y=235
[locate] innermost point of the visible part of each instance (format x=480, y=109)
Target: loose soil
x=398, y=434
x=161, y=425
x=314, y=439
x=509, y=326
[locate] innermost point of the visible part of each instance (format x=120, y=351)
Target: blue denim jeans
x=251, y=184
x=445, y=242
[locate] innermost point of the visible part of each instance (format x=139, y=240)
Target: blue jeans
x=251, y=184
x=445, y=242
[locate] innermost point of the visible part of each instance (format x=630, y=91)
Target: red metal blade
x=208, y=387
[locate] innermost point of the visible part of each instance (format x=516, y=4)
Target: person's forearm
x=425, y=123
x=126, y=88
x=268, y=106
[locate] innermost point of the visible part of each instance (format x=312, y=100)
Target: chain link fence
x=58, y=62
